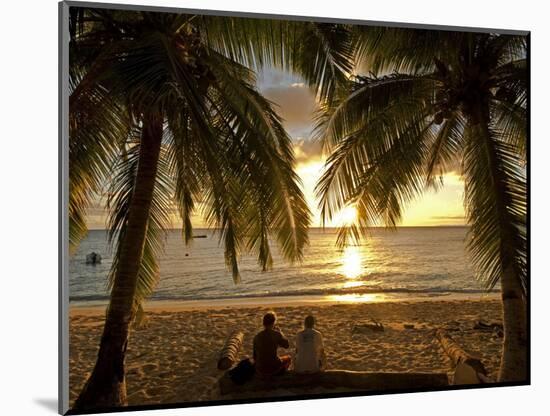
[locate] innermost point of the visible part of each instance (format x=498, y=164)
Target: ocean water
x=419, y=261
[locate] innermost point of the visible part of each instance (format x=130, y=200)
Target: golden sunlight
x=352, y=298
x=353, y=283
x=351, y=262
x=349, y=215
x=346, y=216
x=444, y=207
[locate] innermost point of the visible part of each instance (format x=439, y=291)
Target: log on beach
x=373, y=326
x=495, y=327
x=230, y=351
x=468, y=369
x=358, y=380
x=367, y=328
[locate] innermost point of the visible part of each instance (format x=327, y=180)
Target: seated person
x=266, y=342
x=310, y=353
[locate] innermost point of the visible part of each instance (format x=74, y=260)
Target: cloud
x=295, y=104
x=447, y=217
x=306, y=150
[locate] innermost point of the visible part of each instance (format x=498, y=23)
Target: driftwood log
x=230, y=352
x=373, y=326
x=496, y=328
x=468, y=369
x=337, y=378
x=483, y=326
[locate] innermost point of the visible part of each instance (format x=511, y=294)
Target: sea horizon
x=326, y=228
x=391, y=264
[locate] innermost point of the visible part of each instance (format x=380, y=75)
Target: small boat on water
x=200, y=236
x=93, y=258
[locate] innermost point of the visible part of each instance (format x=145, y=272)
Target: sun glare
x=349, y=214
x=353, y=283
x=351, y=262
x=346, y=216
x=366, y=297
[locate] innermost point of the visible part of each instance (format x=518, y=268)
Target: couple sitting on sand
x=310, y=354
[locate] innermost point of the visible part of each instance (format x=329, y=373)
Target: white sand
x=173, y=358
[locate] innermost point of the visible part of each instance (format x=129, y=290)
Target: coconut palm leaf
x=187, y=169
x=509, y=104
x=156, y=69
x=496, y=205
x=395, y=92
x=510, y=121
x=384, y=148
x=224, y=149
x=396, y=115
x=265, y=151
x=322, y=53
x=98, y=125
x=387, y=49
x=118, y=203
x=443, y=153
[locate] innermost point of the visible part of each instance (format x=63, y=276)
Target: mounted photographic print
x=264, y=208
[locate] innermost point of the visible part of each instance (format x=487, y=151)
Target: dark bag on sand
x=242, y=372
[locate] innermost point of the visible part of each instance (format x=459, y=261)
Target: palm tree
x=437, y=101
x=164, y=115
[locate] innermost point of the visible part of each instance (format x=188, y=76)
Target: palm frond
x=322, y=53
x=386, y=49
x=186, y=168
x=349, y=235
x=324, y=56
x=221, y=205
x=496, y=205
x=289, y=215
x=446, y=148
x=118, y=205
x=511, y=122
x=372, y=125
x=265, y=163
x=98, y=125
x=368, y=97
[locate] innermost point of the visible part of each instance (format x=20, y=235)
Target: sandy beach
x=173, y=357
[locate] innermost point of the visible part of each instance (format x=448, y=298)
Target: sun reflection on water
x=358, y=298
x=351, y=263
x=353, y=283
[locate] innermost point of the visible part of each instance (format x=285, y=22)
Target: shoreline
x=282, y=301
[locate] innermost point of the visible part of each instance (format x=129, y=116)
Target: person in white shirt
x=310, y=353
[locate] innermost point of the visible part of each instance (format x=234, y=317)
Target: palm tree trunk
x=106, y=387
x=513, y=361
x=513, y=364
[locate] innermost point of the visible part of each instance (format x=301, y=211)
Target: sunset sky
x=296, y=105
